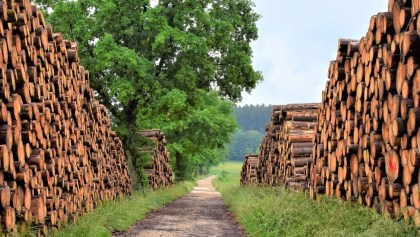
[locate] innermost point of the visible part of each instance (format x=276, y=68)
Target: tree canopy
x=176, y=65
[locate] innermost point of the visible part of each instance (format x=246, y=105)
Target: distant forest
x=252, y=120
x=253, y=117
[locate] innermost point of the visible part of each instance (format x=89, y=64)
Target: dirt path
x=200, y=213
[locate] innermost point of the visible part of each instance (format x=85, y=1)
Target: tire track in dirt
x=200, y=213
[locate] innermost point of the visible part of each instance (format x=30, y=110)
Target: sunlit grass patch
x=267, y=211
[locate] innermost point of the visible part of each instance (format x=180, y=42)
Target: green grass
x=230, y=169
x=120, y=215
x=265, y=211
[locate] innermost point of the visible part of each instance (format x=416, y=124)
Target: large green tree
x=198, y=134
x=166, y=66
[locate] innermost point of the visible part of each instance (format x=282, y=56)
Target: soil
x=200, y=213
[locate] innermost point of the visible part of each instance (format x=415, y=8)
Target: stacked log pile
x=157, y=171
x=285, y=152
x=249, y=170
x=295, y=137
x=267, y=171
x=58, y=154
x=367, y=147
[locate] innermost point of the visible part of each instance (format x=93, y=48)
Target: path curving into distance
x=200, y=213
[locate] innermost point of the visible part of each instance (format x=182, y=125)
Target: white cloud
x=297, y=40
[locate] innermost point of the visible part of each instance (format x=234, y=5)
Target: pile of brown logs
x=249, y=170
x=297, y=123
x=157, y=171
x=368, y=143
x=267, y=171
x=285, y=152
x=58, y=154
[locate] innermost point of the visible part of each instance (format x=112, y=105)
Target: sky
x=297, y=40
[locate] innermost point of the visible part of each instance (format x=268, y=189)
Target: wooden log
x=5, y=196
x=299, y=138
x=303, y=151
x=392, y=165
x=6, y=137
x=300, y=162
x=38, y=209
x=409, y=43
x=10, y=218
x=4, y=159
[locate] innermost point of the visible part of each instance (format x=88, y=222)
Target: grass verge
x=265, y=211
x=121, y=214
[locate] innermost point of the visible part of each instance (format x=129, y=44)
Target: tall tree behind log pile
x=59, y=156
x=173, y=84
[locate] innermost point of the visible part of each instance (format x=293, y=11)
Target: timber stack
x=249, y=170
x=58, y=154
x=295, y=137
x=367, y=147
x=157, y=171
x=285, y=152
x=267, y=170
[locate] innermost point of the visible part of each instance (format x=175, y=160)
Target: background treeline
x=176, y=65
x=251, y=120
x=253, y=117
